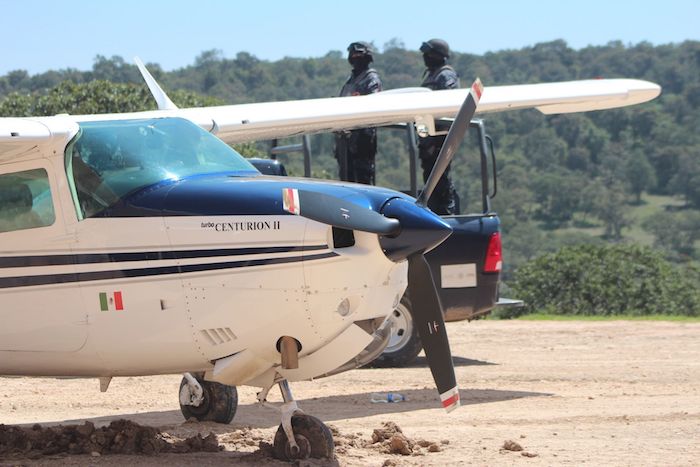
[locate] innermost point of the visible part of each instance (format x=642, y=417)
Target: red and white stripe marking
x=477, y=89
x=450, y=399
x=290, y=200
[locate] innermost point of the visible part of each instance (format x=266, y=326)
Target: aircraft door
x=39, y=307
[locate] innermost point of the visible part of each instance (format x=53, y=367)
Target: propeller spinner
x=407, y=231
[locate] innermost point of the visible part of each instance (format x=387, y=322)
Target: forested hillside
x=628, y=175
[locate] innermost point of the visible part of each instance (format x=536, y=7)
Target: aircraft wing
x=268, y=120
x=246, y=122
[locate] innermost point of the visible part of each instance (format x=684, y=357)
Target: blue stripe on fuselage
x=49, y=279
x=91, y=258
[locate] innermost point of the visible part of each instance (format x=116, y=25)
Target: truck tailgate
x=466, y=290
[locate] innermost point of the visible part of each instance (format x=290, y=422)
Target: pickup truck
x=466, y=267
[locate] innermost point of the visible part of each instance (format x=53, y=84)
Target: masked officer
x=355, y=150
x=438, y=75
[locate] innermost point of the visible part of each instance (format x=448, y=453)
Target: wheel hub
x=303, y=451
x=401, y=328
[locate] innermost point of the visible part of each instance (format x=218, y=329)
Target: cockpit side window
x=25, y=200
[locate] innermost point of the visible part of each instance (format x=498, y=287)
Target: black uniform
x=444, y=199
x=355, y=150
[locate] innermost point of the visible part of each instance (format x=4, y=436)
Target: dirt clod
x=120, y=437
x=399, y=444
x=510, y=445
x=391, y=439
x=434, y=448
x=387, y=430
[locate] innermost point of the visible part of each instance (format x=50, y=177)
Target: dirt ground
x=569, y=393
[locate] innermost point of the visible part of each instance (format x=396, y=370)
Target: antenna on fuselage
x=162, y=99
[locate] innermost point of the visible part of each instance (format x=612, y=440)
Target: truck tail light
x=494, y=256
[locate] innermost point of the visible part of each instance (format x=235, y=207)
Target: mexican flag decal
x=111, y=301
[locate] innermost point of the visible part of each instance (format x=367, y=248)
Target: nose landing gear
x=299, y=436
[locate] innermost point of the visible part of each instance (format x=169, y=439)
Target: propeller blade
x=337, y=212
x=454, y=139
x=427, y=316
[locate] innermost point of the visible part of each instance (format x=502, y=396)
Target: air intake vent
x=343, y=238
x=218, y=336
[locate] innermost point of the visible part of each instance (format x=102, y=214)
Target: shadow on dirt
x=328, y=409
x=422, y=362
x=358, y=405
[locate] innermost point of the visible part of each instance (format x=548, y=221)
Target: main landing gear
x=207, y=400
x=299, y=436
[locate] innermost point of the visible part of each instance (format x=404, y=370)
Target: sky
x=40, y=35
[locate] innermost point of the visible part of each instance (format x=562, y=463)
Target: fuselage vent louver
x=218, y=336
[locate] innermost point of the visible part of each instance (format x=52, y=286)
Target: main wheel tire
x=404, y=343
x=219, y=404
x=312, y=436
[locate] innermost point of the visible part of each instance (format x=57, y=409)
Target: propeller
x=427, y=309
x=407, y=231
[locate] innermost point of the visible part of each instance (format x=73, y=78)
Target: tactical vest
x=444, y=77
x=366, y=82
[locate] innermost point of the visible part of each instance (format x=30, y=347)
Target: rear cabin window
x=25, y=200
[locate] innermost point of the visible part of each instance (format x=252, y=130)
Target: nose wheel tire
x=314, y=440
x=404, y=343
x=218, y=403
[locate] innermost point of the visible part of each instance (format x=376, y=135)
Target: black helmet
x=436, y=47
x=360, y=49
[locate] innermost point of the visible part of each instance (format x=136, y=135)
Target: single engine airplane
x=141, y=243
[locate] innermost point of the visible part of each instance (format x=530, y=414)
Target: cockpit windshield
x=109, y=160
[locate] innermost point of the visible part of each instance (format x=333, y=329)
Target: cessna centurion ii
x=141, y=244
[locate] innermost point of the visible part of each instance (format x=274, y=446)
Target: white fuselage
x=153, y=295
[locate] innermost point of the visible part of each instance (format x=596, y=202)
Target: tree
x=675, y=232
x=610, y=206
x=558, y=196
x=115, y=69
x=687, y=180
x=640, y=174
x=95, y=97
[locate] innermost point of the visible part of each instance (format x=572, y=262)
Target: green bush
x=606, y=280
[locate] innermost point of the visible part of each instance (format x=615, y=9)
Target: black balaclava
x=358, y=61
x=433, y=61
